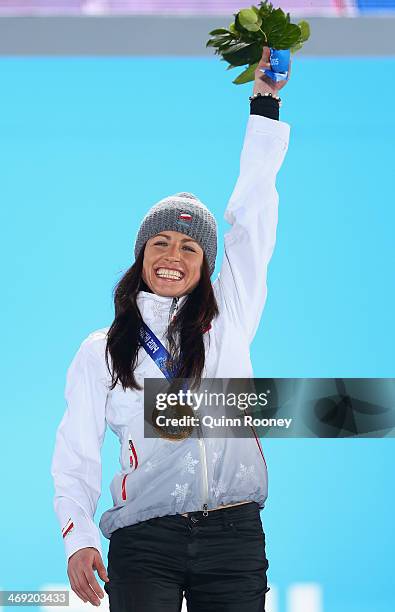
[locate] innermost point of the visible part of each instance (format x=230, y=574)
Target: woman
x=186, y=513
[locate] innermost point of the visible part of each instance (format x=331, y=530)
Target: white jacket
x=157, y=476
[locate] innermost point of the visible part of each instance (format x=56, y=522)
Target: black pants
x=219, y=561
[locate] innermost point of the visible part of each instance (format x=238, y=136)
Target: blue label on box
x=279, y=61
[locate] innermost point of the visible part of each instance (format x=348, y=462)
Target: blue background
x=87, y=146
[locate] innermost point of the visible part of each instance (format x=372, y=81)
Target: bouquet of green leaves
x=254, y=28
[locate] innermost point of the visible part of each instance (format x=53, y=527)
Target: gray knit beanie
x=182, y=212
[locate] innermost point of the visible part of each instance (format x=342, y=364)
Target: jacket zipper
x=172, y=314
x=205, y=475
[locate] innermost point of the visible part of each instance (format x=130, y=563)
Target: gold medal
x=174, y=431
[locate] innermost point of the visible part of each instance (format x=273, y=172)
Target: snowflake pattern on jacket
x=219, y=488
x=189, y=463
x=215, y=458
x=151, y=465
x=180, y=492
x=246, y=472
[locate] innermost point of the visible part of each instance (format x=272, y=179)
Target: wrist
x=263, y=88
x=266, y=106
x=267, y=97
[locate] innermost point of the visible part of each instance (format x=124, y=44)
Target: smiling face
x=172, y=264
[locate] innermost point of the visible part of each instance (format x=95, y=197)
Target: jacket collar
x=155, y=309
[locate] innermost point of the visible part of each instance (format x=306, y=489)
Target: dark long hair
x=184, y=334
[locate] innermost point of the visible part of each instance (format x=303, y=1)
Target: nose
x=173, y=252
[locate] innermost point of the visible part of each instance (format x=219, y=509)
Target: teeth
x=165, y=273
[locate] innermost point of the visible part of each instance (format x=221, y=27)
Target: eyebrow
x=183, y=239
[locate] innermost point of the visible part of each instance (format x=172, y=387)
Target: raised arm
x=252, y=211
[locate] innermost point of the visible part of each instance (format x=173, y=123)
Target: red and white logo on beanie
x=185, y=217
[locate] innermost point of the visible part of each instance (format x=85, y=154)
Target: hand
x=81, y=576
x=263, y=83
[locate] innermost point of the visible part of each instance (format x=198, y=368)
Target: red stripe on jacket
x=123, y=486
x=68, y=529
x=133, y=450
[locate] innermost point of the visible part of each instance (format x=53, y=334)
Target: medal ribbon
x=161, y=356
x=158, y=353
